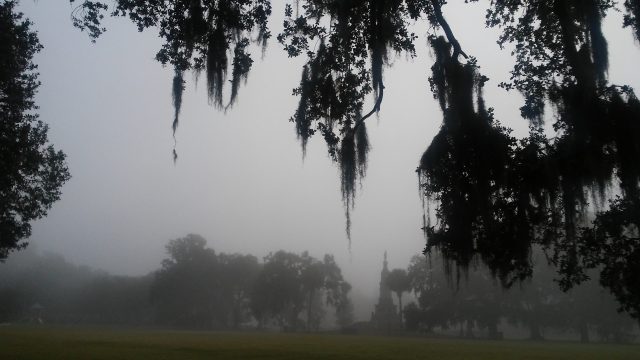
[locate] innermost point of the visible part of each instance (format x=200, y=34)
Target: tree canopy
x=31, y=170
x=495, y=196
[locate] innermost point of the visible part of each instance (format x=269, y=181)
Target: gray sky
x=240, y=180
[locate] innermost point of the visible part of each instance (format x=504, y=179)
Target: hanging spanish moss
x=348, y=161
x=198, y=35
x=377, y=61
x=362, y=149
x=344, y=66
x=176, y=91
x=597, y=41
x=217, y=64
x=597, y=143
x=353, y=162
x=311, y=91
x=348, y=177
x=241, y=65
x=465, y=175
x=303, y=125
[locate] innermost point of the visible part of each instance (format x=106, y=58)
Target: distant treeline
x=195, y=288
x=199, y=288
x=473, y=304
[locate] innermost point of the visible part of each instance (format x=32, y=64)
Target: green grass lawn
x=104, y=343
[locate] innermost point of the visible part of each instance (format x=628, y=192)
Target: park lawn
x=20, y=342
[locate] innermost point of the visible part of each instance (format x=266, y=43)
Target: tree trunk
x=494, y=334
x=535, y=331
x=400, y=307
x=236, y=317
x=469, y=332
x=584, y=332
x=309, y=303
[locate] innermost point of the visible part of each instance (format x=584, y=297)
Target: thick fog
x=240, y=180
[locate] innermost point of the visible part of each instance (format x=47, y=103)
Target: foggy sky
x=240, y=180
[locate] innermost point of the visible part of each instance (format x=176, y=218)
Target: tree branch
x=376, y=108
x=457, y=49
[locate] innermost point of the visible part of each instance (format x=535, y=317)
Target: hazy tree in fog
x=449, y=303
x=186, y=289
x=278, y=292
x=334, y=288
x=109, y=299
x=344, y=307
x=238, y=274
x=535, y=304
x=290, y=283
x=590, y=309
x=479, y=301
x=67, y=293
x=414, y=318
x=32, y=172
x=260, y=301
x=48, y=280
x=198, y=288
x=398, y=281
x=313, y=279
x=431, y=293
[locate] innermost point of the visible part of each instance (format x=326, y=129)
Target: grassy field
x=102, y=343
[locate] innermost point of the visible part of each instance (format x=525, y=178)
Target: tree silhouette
x=290, y=283
x=494, y=196
x=399, y=283
x=240, y=273
x=191, y=268
x=32, y=172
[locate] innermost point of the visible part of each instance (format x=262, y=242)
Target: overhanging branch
x=457, y=49
x=376, y=108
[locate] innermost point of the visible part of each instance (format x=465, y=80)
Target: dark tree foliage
x=464, y=171
x=494, y=196
x=632, y=17
x=31, y=170
x=562, y=59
